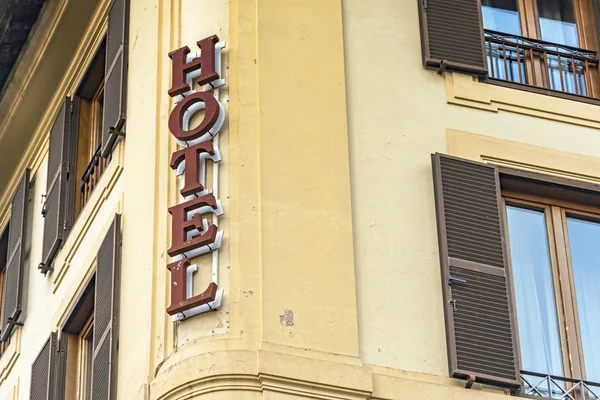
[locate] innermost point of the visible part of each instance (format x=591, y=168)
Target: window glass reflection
x=584, y=242
x=558, y=23
x=501, y=15
x=534, y=291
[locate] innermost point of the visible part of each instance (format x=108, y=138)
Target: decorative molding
x=523, y=156
x=467, y=91
x=11, y=355
x=14, y=393
x=261, y=371
x=502, y=162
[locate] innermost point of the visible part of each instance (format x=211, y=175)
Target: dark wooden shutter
x=61, y=367
x=42, y=372
x=452, y=35
x=480, y=323
x=106, y=315
x=15, y=262
x=57, y=214
x=115, y=78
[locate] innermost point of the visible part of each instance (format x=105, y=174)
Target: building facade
x=289, y=199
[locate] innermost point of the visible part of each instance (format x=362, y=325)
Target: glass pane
x=584, y=242
x=504, y=62
x=534, y=291
x=567, y=83
x=558, y=22
x=501, y=15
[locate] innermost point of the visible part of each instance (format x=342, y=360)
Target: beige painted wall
x=399, y=113
x=326, y=186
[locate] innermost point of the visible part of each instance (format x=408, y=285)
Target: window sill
x=11, y=355
x=89, y=214
x=495, y=96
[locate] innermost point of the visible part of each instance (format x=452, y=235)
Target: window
x=89, y=106
x=501, y=15
x=80, y=363
x=550, y=240
x=520, y=262
x=550, y=50
x=80, y=351
x=86, y=354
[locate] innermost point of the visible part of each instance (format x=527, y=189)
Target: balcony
x=91, y=176
x=536, y=63
x=544, y=386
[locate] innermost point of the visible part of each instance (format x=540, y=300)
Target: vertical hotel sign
x=192, y=235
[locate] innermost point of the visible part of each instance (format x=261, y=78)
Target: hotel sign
x=194, y=220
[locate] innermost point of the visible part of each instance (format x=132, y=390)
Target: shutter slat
x=13, y=284
x=42, y=372
x=452, y=31
x=479, y=317
x=57, y=214
x=115, y=78
x=61, y=367
x=106, y=315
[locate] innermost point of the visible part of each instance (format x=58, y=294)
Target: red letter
x=206, y=63
x=179, y=300
x=181, y=225
x=211, y=114
x=192, y=170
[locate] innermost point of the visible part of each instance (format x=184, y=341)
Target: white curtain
x=584, y=241
x=501, y=16
x=534, y=292
x=557, y=22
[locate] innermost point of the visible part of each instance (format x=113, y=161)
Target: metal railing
x=91, y=176
x=522, y=60
x=558, y=387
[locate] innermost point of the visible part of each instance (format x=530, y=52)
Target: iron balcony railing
x=91, y=176
x=522, y=60
x=536, y=385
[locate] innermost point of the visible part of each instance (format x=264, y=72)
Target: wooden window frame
x=556, y=212
x=74, y=331
x=88, y=130
x=84, y=339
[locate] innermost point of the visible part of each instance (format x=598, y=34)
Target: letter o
x=212, y=112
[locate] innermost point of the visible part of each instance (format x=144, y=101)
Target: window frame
x=84, y=374
x=555, y=213
x=74, y=331
x=87, y=123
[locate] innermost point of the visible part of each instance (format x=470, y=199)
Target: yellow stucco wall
x=400, y=113
x=326, y=186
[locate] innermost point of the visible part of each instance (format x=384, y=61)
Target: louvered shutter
x=452, y=35
x=61, y=367
x=106, y=315
x=42, y=372
x=15, y=262
x=115, y=78
x=57, y=219
x=478, y=305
